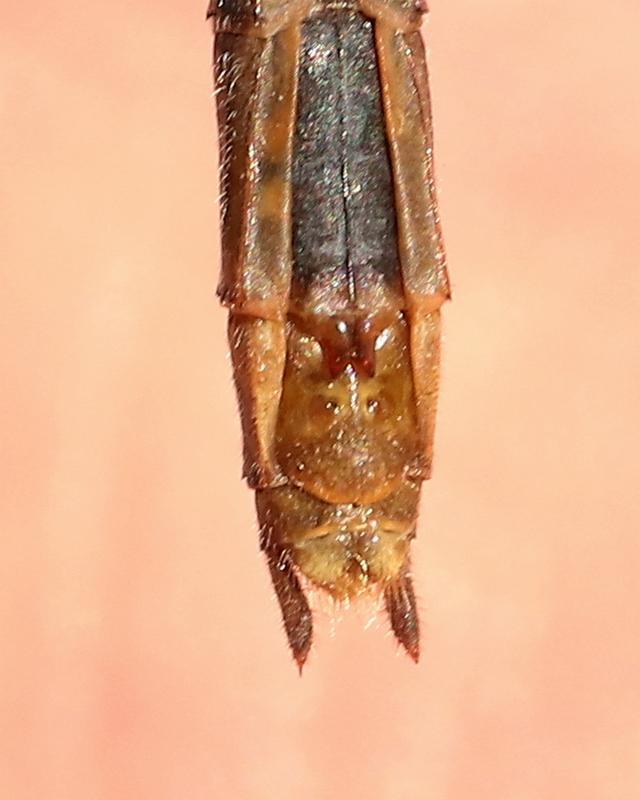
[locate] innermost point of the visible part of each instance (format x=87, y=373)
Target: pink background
x=142, y=655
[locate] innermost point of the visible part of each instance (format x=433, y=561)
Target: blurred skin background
x=141, y=648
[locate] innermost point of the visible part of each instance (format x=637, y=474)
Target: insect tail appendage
x=400, y=601
x=296, y=613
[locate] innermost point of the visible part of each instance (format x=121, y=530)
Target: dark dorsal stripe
x=344, y=226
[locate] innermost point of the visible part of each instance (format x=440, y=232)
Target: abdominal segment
x=347, y=428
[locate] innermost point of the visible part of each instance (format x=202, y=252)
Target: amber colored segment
x=347, y=563
x=348, y=438
x=290, y=516
x=345, y=549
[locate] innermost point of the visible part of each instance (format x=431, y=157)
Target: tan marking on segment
x=257, y=309
x=401, y=15
x=383, y=525
x=426, y=285
x=258, y=352
x=261, y=19
x=235, y=55
x=257, y=258
x=424, y=303
x=422, y=257
x=425, y=357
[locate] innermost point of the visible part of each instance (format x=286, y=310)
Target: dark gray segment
x=344, y=225
x=319, y=224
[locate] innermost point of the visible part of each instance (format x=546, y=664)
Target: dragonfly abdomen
x=333, y=272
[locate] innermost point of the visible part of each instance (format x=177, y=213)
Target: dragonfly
x=333, y=274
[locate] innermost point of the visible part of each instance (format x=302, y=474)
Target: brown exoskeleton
x=334, y=274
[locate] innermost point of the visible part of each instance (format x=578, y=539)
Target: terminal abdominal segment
x=333, y=273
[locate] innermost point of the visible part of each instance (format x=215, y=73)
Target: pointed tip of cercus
x=300, y=643
x=413, y=651
x=301, y=660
